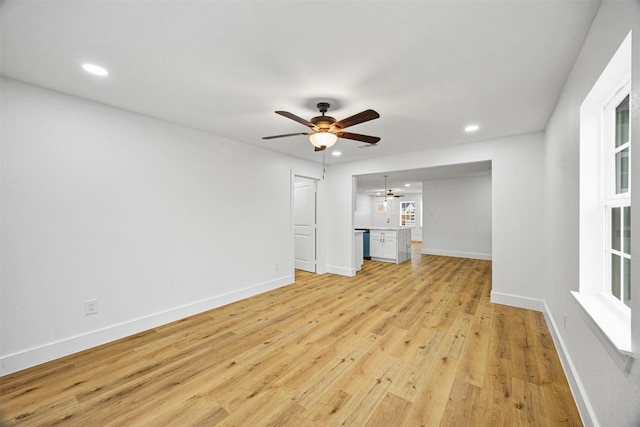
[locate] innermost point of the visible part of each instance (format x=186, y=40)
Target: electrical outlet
x=90, y=307
x=564, y=319
x=277, y=266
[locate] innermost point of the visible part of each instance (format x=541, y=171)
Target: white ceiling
x=428, y=67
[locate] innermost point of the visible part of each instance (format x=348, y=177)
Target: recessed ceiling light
x=95, y=69
x=407, y=185
x=336, y=153
x=471, y=128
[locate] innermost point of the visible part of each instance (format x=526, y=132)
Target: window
x=606, y=287
x=617, y=201
x=408, y=213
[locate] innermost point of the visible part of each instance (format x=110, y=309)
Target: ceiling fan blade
x=358, y=137
x=286, y=134
x=362, y=117
x=296, y=118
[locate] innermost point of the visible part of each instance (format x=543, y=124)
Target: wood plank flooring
x=415, y=344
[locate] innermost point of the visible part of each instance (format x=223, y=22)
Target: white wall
x=155, y=220
x=457, y=218
x=390, y=217
x=517, y=206
x=606, y=390
x=362, y=215
x=416, y=232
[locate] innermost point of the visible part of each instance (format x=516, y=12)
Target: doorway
x=304, y=223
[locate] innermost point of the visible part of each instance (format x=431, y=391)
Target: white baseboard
x=585, y=408
x=50, y=351
x=517, y=301
x=457, y=254
x=350, y=272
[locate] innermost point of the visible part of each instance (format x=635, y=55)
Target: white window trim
x=611, y=317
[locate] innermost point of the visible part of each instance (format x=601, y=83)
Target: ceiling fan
x=326, y=130
x=388, y=195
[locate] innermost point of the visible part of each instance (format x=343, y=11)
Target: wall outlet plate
x=90, y=307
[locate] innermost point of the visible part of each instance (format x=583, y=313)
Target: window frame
x=410, y=214
x=608, y=317
x=613, y=199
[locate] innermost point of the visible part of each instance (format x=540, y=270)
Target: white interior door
x=304, y=230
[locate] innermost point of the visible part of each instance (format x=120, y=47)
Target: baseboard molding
x=517, y=301
x=457, y=254
x=585, y=408
x=51, y=351
x=349, y=272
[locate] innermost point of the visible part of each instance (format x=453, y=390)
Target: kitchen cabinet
x=390, y=244
x=382, y=244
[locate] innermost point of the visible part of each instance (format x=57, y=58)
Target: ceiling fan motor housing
x=323, y=122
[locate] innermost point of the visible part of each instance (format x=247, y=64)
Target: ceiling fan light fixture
x=323, y=139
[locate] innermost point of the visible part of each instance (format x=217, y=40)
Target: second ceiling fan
x=326, y=130
x=388, y=195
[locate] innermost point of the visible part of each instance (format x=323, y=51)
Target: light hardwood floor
x=415, y=344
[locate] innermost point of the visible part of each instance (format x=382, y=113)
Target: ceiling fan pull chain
x=324, y=157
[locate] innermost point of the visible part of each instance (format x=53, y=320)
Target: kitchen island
x=390, y=244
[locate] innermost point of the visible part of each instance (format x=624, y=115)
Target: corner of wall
x=517, y=301
x=342, y=271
